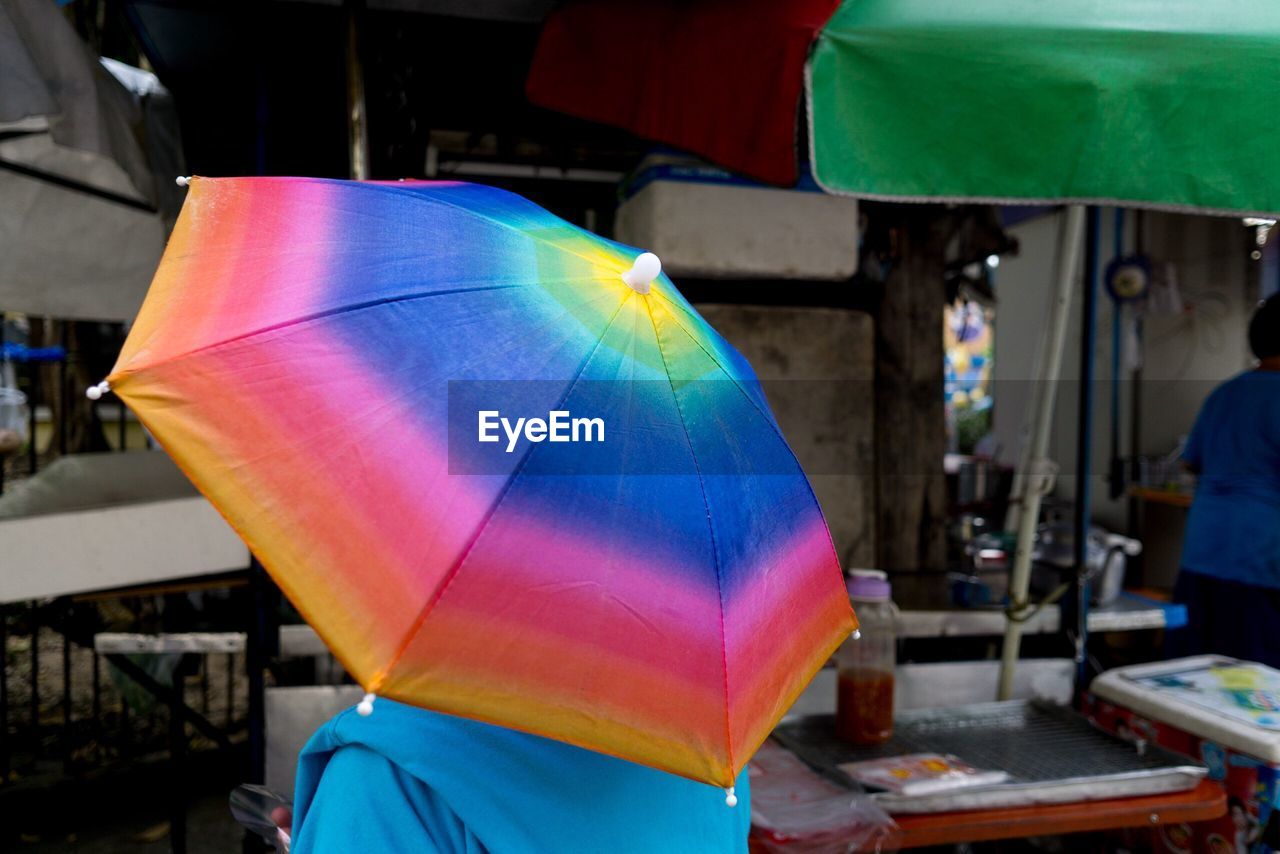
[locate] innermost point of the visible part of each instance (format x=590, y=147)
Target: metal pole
x=1084, y=450
x=2, y=459
x=256, y=663
x=4, y=695
x=261, y=644
x=66, y=697
x=1036, y=471
x=357, y=118
x=123, y=411
x=63, y=402
x=231, y=689
x=177, y=754
x=97, y=692
x=1135, y=396
x=126, y=736
x=1116, y=473
x=35, y=673
x=33, y=403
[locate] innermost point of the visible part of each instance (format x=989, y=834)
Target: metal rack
x=1052, y=754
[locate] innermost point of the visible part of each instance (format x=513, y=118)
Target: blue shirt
x=405, y=779
x=1233, y=529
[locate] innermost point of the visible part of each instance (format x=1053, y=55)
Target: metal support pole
x=357, y=118
x=257, y=652
x=1135, y=395
x=123, y=421
x=177, y=759
x=63, y=386
x=126, y=736
x=231, y=688
x=33, y=403
x=1035, y=472
x=66, y=700
x=4, y=695
x=35, y=672
x=1076, y=614
x=2, y=459
x=1116, y=471
x=204, y=685
x=261, y=643
x=97, y=691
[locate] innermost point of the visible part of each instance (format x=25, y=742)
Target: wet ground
x=210, y=830
x=113, y=792
x=126, y=811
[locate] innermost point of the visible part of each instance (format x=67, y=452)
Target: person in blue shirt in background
x=411, y=780
x=1230, y=577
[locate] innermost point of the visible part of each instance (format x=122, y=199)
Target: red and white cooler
x=1223, y=712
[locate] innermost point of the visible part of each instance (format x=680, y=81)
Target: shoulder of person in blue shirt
x=1233, y=528
x=1238, y=428
x=406, y=779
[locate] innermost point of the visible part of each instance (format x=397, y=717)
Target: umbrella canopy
x=1133, y=103
x=321, y=358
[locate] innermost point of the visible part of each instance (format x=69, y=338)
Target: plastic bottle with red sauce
x=864, y=699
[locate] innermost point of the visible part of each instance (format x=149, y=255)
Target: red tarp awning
x=719, y=78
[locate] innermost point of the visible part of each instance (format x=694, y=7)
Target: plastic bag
x=793, y=809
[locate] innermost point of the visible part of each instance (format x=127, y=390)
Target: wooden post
x=910, y=251
x=910, y=420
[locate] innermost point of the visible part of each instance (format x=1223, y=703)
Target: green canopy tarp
x=1158, y=103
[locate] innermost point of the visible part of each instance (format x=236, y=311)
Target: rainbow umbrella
x=500, y=464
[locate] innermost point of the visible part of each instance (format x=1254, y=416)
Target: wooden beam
x=910, y=420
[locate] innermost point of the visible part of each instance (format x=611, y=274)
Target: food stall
x=1002, y=104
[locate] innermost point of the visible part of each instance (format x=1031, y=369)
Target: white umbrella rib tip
x=182, y=180
x=95, y=392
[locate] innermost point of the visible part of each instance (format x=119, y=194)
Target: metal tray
x=1052, y=754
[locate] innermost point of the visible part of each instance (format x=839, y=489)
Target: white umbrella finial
x=646, y=268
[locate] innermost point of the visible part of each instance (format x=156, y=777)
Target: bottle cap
x=869, y=585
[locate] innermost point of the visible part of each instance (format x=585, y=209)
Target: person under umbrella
x=407, y=779
x=328, y=362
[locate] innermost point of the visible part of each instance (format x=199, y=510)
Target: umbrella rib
x=319, y=315
x=740, y=389
x=768, y=420
x=711, y=530
x=431, y=603
x=484, y=218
